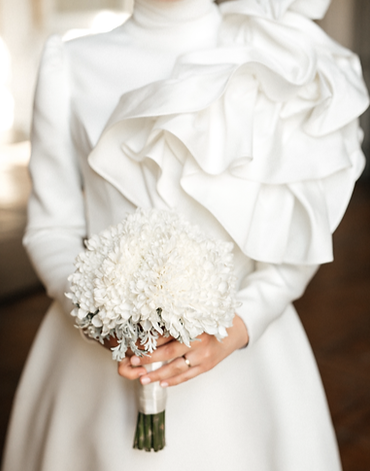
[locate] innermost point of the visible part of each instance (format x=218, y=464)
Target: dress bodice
x=243, y=117
x=141, y=51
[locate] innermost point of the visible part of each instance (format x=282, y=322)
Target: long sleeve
x=56, y=220
x=267, y=291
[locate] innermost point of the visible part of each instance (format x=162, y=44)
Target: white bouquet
x=153, y=274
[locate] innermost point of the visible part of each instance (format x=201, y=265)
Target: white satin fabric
x=244, y=118
x=263, y=124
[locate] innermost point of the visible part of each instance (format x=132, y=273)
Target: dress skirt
x=261, y=409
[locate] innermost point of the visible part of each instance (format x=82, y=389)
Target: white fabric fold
x=314, y=9
x=256, y=131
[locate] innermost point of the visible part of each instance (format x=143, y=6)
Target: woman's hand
x=203, y=355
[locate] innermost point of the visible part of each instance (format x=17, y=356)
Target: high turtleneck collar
x=161, y=13
x=174, y=25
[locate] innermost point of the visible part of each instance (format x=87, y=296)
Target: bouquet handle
x=150, y=428
x=152, y=397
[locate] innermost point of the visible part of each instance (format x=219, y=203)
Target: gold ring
x=187, y=361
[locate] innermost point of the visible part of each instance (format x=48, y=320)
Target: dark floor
x=335, y=311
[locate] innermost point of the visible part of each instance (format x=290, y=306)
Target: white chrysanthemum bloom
x=154, y=273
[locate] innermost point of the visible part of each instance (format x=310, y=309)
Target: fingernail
x=145, y=380
x=135, y=361
x=164, y=385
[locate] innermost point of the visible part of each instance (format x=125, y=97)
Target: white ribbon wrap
x=151, y=397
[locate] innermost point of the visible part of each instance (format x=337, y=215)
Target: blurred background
x=335, y=308
x=24, y=27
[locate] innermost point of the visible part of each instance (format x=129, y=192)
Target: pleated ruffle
x=261, y=131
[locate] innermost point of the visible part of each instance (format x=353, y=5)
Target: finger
x=166, y=352
x=174, y=368
x=190, y=373
x=126, y=370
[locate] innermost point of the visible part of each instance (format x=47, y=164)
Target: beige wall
x=78, y=5
x=24, y=26
x=339, y=22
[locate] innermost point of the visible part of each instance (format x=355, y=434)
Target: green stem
x=150, y=432
x=141, y=431
x=163, y=430
x=156, y=441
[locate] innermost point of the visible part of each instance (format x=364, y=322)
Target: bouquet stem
x=150, y=426
x=150, y=432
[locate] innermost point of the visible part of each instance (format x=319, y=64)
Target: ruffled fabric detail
x=262, y=132
x=275, y=9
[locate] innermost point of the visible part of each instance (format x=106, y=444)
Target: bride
x=243, y=118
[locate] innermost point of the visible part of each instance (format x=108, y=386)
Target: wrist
x=241, y=332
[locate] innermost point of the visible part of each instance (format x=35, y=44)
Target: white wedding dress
x=244, y=118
